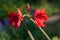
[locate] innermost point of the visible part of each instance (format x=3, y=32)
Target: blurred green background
x=52, y=28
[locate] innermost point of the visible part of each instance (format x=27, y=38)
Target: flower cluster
x=39, y=16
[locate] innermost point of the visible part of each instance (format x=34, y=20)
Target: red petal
x=39, y=22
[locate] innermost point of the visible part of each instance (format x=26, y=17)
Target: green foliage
x=55, y=38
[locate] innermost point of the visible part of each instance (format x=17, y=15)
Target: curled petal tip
x=18, y=11
x=43, y=10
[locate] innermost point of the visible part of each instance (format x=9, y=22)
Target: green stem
x=26, y=28
x=45, y=33
x=42, y=30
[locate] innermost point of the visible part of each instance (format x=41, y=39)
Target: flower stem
x=26, y=28
x=42, y=30
x=45, y=33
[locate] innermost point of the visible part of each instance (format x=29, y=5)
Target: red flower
x=15, y=18
x=40, y=17
x=28, y=7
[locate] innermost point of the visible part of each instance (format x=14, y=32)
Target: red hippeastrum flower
x=15, y=18
x=40, y=17
x=28, y=7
